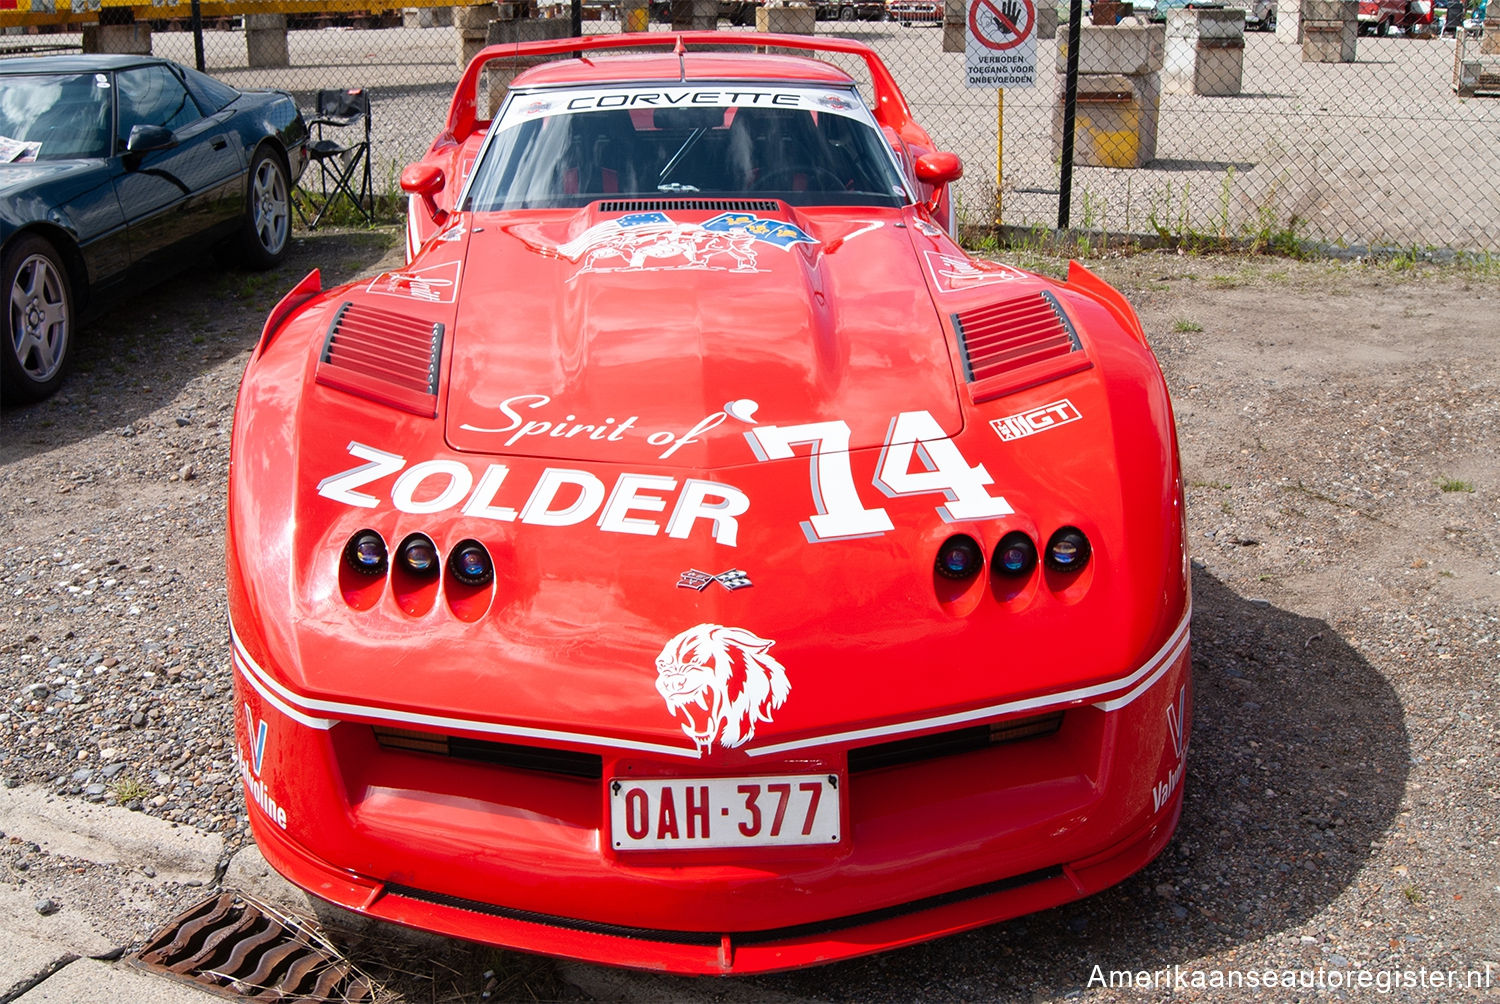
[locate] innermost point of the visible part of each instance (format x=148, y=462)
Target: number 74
x=841, y=513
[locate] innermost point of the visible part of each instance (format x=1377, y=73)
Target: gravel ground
x=1342, y=812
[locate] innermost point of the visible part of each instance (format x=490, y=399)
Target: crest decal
x=722, y=681
x=654, y=242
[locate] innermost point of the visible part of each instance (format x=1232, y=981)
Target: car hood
x=582, y=336
x=17, y=178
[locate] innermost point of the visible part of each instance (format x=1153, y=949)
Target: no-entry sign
x=1001, y=46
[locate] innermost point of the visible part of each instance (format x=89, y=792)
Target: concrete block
x=470, y=41
x=787, y=20
x=478, y=16
x=1466, y=73
x=129, y=39
x=1489, y=40
x=1329, y=41
x=1288, y=24
x=1205, y=23
x=1214, y=67
x=1330, y=10
x=427, y=17
x=955, y=25
x=955, y=36
x=265, y=40
x=1116, y=120
x=1046, y=20
x=1129, y=49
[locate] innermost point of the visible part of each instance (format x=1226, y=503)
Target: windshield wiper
x=687, y=145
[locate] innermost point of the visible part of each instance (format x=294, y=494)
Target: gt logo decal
x=453, y=482
x=912, y=435
x=1029, y=423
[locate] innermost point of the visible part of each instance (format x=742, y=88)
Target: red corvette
x=692, y=559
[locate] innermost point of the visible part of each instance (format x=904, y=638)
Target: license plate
x=675, y=813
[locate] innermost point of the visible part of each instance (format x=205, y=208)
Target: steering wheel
x=782, y=177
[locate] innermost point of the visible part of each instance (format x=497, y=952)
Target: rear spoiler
x=890, y=110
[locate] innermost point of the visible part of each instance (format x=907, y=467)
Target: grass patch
x=1186, y=327
x=128, y=789
x=1454, y=485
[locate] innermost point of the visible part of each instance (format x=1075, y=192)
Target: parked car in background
x=1259, y=14
x=740, y=13
x=910, y=12
x=1381, y=17
x=113, y=168
x=850, y=10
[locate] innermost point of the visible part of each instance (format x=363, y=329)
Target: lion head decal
x=722, y=681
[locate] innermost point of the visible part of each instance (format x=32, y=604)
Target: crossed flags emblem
x=730, y=580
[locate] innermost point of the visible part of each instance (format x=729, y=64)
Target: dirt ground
x=1338, y=425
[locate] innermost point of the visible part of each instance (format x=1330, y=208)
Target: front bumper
x=520, y=856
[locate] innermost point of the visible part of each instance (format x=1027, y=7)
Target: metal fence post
x=1070, y=110
x=198, y=36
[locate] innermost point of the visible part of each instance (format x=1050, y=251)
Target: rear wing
x=890, y=107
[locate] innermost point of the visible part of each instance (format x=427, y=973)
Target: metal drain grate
x=241, y=948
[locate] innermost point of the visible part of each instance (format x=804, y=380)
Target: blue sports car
x=111, y=169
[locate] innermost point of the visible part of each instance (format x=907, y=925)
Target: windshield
x=806, y=146
x=54, y=117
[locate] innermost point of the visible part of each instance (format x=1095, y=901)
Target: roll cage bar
x=890, y=109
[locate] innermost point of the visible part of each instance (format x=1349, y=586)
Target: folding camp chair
x=340, y=164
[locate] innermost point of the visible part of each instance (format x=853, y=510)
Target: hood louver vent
x=1015, y=344
x=692, y=205
x=385, y=356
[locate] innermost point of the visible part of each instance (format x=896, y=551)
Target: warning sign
x=1001, y=46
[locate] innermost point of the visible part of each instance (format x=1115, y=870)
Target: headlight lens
x=419, y=556
x=1068, y=550
x=1015, y=555
x=959, y=557
x=470, y=563
x=366, y=553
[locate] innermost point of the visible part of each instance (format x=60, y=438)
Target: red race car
x=692, y=559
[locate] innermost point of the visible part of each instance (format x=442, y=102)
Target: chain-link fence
x=1347, y=122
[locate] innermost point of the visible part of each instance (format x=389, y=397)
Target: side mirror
x=145, y=139
x=426, y=181
x=937, y=169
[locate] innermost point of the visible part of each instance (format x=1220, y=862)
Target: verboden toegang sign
x=1001, y=47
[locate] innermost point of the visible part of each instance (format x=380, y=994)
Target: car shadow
x=1282, y=805
x=136, y=354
